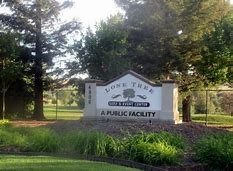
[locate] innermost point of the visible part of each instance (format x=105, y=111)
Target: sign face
x=131, y=96
x=128, y=96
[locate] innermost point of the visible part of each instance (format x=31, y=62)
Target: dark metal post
x=56, y=103
x=206, y=106
x=3, y=90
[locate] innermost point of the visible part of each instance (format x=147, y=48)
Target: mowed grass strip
x=48, y=163
x=214, y=119
x=63, y=112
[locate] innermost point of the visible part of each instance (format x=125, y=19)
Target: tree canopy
x=37, y=22
x=217, y=55
x=102, y=54
x=14, y=74
x=187, y=40
x=167, y=39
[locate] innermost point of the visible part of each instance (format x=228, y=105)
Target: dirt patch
x=31, y=123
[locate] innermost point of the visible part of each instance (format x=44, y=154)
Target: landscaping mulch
x=190, y=131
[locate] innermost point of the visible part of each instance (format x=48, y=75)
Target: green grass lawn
x=46, y=163
x=214, y=119
x=63, y=112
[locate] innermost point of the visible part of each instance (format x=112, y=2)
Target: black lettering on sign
x=107, y=90
x=151, y=91
x=118, y=85
x=146, y=87
x=128, y=113
x=139, y=85
x=113, y=86
x=133, y=84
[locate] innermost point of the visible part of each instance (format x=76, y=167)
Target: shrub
x=4, y=123
x=170, y=139
x=15, y=139
x=158, y=153
x=155, y=148
x=215, y=150
x=10, y=137
x=42, y=140
x=113, y=147
x=93, y=143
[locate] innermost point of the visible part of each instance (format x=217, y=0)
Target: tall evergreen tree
x=36, y=21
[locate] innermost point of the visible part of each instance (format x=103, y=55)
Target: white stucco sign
x=131, y=96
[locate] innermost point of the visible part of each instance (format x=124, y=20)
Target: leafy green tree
x=199, y=101
x=37, y=22
x=15, y=77
x=11, y=66
x=166, y=39
x=63, y=96
x=217, y=55
x=78, y=98
x=226, y=102
x=102, y=54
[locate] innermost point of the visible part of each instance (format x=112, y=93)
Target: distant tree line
x=211, y=102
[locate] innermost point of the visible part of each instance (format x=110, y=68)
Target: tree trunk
x=38, y=90
x=186, y=109
x=38, y=82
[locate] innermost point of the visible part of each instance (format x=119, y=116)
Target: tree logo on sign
x=129, y=93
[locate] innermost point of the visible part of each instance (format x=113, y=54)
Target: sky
x=89, y=12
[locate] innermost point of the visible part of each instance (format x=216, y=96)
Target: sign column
x=169, y=101
x=90, y=99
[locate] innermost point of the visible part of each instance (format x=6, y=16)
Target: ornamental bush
x=4, y=123
x=154, y=148
x=92, y=143
x=12, y=139
x=216, y=150
x=42, y=140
